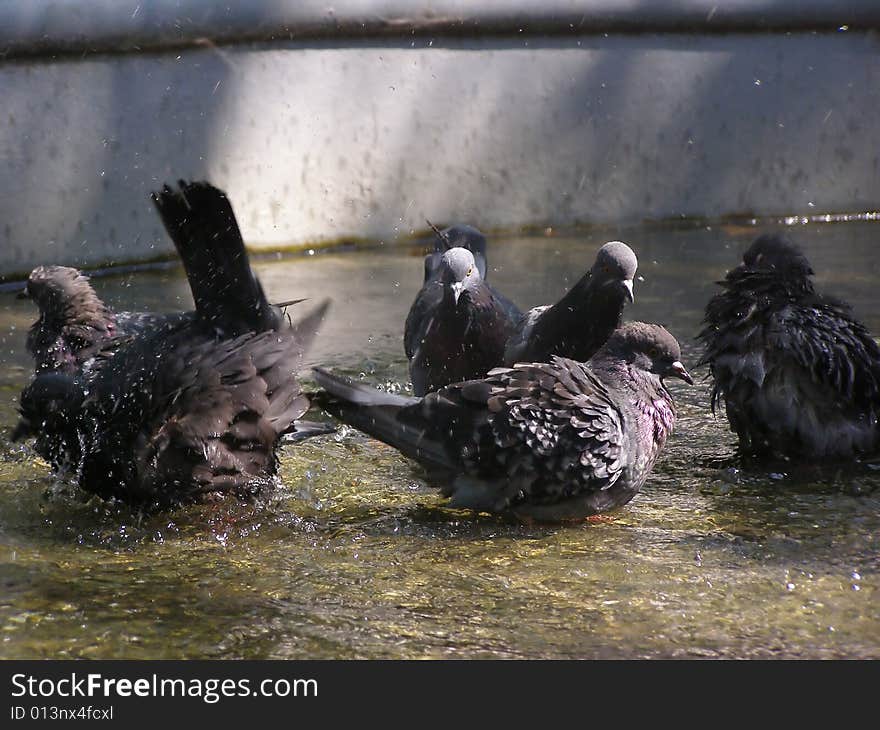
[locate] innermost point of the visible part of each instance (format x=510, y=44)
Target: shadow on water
x=354, y=554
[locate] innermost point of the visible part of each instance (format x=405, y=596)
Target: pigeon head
x=55, y=289
x=647, y=347
x=461, y=235
x=458, y=272
x=775, y=253
x=615, y=265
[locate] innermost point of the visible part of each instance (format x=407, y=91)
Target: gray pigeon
x=798, y=374
x=195, y=405
x=461, y=235
x=456, y=329
x=581, y=322
x=560, y=440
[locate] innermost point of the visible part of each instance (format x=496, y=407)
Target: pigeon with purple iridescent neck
x=561, y=440
x=799, y=375
x=456, y=328
x=461, y=235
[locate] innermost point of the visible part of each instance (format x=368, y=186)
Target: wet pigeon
x=552, y=441
x=579, y=323
x=74, y=323
x=798, y=374
x=50, y=408
x=195, y=405
x=456, y=328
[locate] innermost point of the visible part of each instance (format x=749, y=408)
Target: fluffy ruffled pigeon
x=559, y=440
x=799, y=375
x=74, y=323
x=194, y=405
x=583, y=320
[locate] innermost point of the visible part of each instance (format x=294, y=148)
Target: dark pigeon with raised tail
x=195, y=405
x=799, y=375
x=560, y=440
x=583, y=320
x=456, y=328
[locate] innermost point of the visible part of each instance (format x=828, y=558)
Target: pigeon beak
x=628, y=286
x=457, y=289
x=679, y=371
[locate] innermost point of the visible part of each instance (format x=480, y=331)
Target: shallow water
x=354, y=555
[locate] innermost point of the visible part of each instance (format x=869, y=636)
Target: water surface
x=354, y=555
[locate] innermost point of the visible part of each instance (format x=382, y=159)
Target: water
x=354, y=556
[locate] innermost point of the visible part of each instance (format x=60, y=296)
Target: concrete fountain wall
x=364, y=119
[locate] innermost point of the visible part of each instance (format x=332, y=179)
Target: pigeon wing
x=836, y=350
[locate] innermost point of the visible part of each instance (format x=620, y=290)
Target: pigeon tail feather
x=200, y=221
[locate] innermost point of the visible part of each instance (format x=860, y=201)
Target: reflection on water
x=354, y=556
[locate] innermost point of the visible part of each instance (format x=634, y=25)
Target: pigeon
x=555, y=441
x=74, y=323
x=581, y=322
x=194, y=406
x=462, y=235
x=799, y=375
x=456, y=328
x=50, y=407
x=459, y=235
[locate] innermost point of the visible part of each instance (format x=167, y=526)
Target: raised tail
x=201, y=223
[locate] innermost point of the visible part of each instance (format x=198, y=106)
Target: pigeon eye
x=653, y=352
x=470, y=271
x=759, y=258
